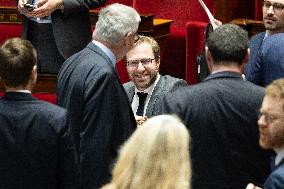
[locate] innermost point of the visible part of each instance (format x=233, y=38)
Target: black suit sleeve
x=81, y=5
x=68, y=165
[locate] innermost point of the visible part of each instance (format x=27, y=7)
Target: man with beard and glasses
x=271, y=132
x=273, y=18
x=147, y=86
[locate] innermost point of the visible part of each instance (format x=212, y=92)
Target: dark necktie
x=142, y=97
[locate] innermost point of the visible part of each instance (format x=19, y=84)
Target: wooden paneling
x=227, y=10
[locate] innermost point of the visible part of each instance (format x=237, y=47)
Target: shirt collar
x=106, y=50
x=266, y=35
x=150, y=89
x=279, y=157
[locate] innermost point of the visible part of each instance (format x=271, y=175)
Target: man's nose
x=261, y=121
x=140, y=66
x=270, y=10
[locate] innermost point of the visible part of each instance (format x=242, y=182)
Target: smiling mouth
x=141, y=76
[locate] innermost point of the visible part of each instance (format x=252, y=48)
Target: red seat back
x=180, y=11
x=258, y=10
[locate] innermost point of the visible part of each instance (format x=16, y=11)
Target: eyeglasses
x=269, y=118
x=277, y=7
x=136, y=37
x=144, y=62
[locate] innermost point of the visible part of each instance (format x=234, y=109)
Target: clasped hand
x=42, y=8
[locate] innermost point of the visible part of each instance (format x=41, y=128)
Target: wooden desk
x=252, y=26
x=157, y=28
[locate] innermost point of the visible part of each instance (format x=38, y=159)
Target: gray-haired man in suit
x=97, y=106
x=143, y=63
x=57, y=29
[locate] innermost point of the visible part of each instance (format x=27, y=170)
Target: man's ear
x=127, y=39
x=209, y=59
x=158, y=62
x=246, y=59
x=34, y=74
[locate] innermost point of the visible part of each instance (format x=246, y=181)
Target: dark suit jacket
x=276, y=178
x=98, y=111
x=270, y=62
x=71, y=27
x=36, y=149
x=221, y=114
x=165, y=85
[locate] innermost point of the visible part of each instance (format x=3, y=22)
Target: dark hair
x=228, y=43
x=17, y=59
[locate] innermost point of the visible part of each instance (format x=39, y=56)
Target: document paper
x=209, y=14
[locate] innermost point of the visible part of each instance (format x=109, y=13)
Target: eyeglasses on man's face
x=144, y=61
x=269, y=118
x=277, y=7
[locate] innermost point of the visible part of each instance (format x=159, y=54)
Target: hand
x=21, y=7
x=252, y=186
x=140, y=120
x=46, y=7
x=217, y=22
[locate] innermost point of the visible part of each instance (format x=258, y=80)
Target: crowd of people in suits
x=226, y=133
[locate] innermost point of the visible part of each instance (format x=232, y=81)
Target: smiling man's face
x=143, y=75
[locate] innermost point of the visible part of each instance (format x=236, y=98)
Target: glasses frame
x=276, y=7
x=136, y=37
x=136, y=65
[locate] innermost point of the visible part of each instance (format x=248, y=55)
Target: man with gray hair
x=221, y=114
x=88, y=86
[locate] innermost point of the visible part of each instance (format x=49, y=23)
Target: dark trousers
x=49, y=58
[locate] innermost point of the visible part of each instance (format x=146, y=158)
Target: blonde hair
x=155, y=156
x=276, y=90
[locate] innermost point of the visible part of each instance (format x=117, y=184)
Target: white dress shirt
x=149, y=90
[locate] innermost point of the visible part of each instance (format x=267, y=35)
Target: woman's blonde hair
x=155, y=156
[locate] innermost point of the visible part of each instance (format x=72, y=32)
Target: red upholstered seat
x=49, y=97
x=125, y=2
x=122, y=72
x=174, y=61
x=9, y=31
x=195, y=30
x=258, y=10
x=7, y=3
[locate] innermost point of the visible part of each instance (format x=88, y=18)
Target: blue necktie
x=142, y=97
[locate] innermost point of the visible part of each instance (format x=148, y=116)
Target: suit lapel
x=154, y=97
x=130, y=90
